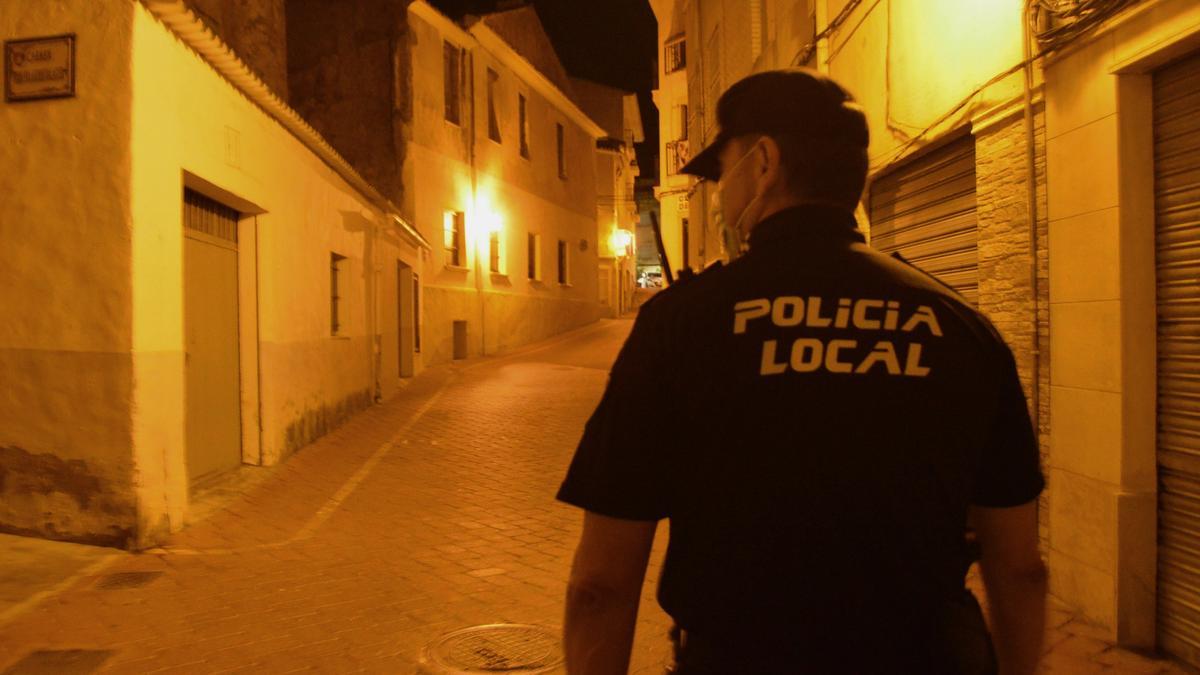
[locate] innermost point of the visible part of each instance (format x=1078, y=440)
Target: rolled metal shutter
x=925, y=209
x=1177, y=230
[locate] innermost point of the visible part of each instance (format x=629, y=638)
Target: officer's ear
x=770, y=158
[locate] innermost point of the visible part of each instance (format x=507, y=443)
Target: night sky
x=609, y=41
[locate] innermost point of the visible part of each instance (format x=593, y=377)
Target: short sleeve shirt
x=815, y=420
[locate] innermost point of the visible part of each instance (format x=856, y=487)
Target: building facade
x=617, y=171
x=1047, y=165
x=196, y=279
x=671, y=97
x=471, y=127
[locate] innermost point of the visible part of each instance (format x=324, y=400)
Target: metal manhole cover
x=122, y=580
x=495, y=648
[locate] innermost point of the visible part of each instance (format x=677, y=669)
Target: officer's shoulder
x=687, y=287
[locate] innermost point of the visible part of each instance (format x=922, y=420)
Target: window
x=493, y=80
x=523, y=124
x=562, y=155
x=535, y=257
x=453, y=232
x=494, y=260
x=337, y=274
x=452, y=60
x=416, y=313
x=683, y=123
x=564, y=272
x=675, y=55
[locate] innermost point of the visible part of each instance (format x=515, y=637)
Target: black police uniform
x=814, y=419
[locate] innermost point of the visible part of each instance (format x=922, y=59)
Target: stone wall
x=1002, y=198
x=257, y=31
x=348, y=78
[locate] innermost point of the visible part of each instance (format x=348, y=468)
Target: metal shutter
x=1177, y=229
x=925, y=209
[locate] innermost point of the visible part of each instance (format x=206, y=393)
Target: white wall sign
x=37, y=68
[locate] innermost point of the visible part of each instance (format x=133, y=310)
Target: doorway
x=213, y=425
x=406, y=324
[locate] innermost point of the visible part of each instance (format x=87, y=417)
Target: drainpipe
x=821, y=20
x=376, y=338
x=470, y=61
x=1032, y=209
x=258, y=334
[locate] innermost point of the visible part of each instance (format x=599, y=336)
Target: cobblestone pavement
x=429, y=513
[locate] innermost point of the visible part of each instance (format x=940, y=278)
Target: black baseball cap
x=789, y=101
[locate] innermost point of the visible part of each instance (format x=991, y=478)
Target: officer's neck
x=774, y=204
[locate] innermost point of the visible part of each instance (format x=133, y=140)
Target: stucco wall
x=192, y=125
x=65, y=436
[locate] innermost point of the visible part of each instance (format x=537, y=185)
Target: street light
x=621, y=242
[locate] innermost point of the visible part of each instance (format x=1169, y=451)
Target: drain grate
x=496, y=648
x=122, y=580
x=60, y=662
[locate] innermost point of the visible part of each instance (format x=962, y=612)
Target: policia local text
x=809, y=355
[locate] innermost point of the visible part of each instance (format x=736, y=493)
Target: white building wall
x=497, y=188
x=93, y=431
x=65, y=286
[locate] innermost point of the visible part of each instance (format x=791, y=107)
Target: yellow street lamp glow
x=621, y=241
x=491, y=221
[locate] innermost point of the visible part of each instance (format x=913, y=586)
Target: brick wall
x=1004, y=256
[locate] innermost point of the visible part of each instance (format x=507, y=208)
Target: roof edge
x=183, y=22
x=506, y=54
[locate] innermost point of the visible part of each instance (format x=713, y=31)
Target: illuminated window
x=523, y=124
x=675, y=55
x=535, y=257
x=452, y=62
x=337, y=274
x=454, y=236
x=564, y=267
x=495, y=261
x=562, y=154
x=493, y=120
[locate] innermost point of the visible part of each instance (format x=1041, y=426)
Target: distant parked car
x=650, y=280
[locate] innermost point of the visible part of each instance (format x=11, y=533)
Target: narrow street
x=428, y=514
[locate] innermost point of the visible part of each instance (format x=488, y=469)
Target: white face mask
x=732, y=237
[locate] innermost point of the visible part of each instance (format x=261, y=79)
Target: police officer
x=819, y=423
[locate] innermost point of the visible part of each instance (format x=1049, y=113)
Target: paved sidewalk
x=430, y=513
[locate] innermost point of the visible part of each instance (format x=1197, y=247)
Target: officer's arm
x=603, y=593
x=1015, y=577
